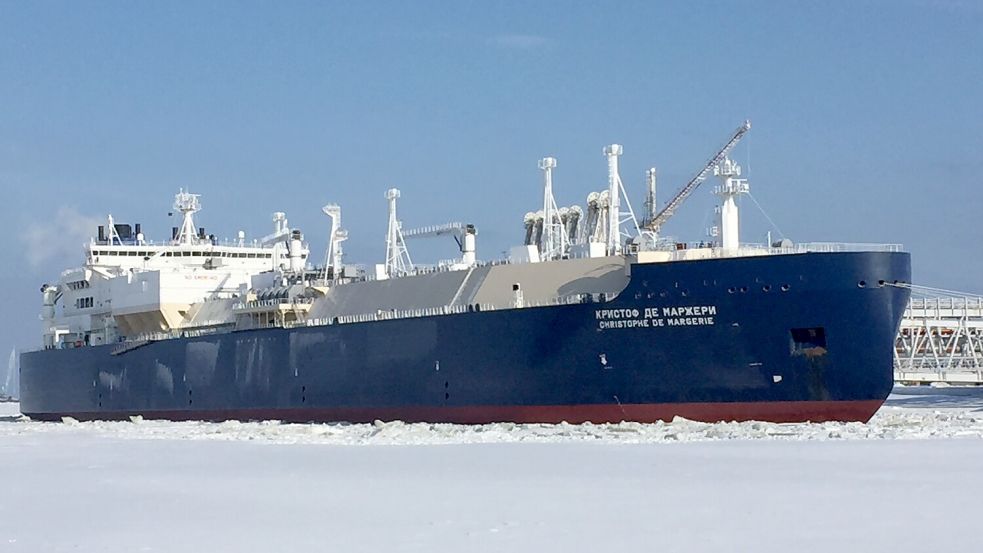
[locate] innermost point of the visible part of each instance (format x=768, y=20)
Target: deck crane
x=463, y=234
x=670, y=208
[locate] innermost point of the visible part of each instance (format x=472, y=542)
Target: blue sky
x=867, y=119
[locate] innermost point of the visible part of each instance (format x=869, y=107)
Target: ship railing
x=945, y=307
x=828, y=247
x=748, y=250
x=139, y=340
x=383, y=315
x=276, y=302
x=207, y=328
x=571, y=299
x=150, y=336
x=223, y=242
x=129, y=345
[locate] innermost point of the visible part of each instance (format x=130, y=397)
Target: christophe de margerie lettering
x=650, y=317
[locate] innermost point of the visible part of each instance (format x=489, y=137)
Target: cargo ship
x=596, y=317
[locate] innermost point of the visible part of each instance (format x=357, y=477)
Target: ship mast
x=729, y=189
x=650, y=205
x=397, y=256
x=333, y=256
x=616, y=192
x=188, y=205
x=555, y=240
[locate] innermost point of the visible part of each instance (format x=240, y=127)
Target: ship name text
x=651, y=317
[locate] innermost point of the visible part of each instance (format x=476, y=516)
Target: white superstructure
x=130, y=286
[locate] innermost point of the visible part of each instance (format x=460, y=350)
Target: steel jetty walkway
x=941, y=339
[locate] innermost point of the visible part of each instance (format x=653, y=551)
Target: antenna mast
x=338, y=235
x=729, y=189
x=650, y=205
x=397, y=256
x=616, y=191
x=188, y=205
x=555, y=240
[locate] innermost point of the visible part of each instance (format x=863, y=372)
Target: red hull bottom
x=775, y=411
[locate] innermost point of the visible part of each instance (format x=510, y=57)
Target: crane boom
x=435, y=230
x=677, y=200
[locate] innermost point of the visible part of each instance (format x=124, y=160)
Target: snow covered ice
x=900, y=483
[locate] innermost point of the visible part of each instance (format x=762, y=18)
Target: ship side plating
x=778, y=338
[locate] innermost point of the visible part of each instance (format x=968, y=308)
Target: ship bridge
x=131, y=286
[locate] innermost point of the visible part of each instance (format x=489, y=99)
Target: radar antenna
x=188, y=204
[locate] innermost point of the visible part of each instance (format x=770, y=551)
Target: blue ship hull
x=779, y=338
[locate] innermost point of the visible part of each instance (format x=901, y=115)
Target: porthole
x=862, y=284
x=766, y=288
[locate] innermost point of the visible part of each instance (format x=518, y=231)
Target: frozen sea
x=910, y=480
